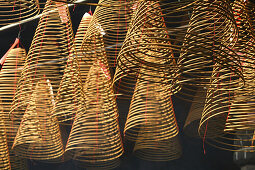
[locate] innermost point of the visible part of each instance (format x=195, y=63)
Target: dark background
x=193, y=157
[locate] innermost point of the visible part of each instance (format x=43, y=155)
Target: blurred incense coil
x=148, y=37
x=95, y=137
x=228, y=120
x=12, y=11
x=4, y=160
x=249, y=10
x=219, y=126
x=80, y=34
x=209, y=40
x=113, y=24
x=195, y=113
x=39, y=135
x=151, y=122
x=50, y=48
x=9, y=77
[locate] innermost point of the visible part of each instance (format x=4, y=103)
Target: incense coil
x=151, y=122
x=250, y=9
x=51, y=45
x=97, y=142
x=236, y=130
x=219, y=126
x=113, y=23
x=70, y=97
x=38, y=136
x=4, y=160
x=15, y=11
x=209, y=40
x=9, y=77
x=80, y=34
x=147, y=37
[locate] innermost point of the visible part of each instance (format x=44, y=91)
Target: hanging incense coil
x=250, y=9
x=235, y=130
x=39, y=136
x=195, y=113
x=51, y=45
x=9, y=77
x=219, y=126
x=113, y=23
x=147, y=37
x=4, y=160
x=80, y=34
x=95, y=136
x=151, y=122
x=15, y=11
x=209, y=40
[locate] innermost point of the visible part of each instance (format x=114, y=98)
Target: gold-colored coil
x=38, y=136
x=12, y=11
x=80, y=34
x=148, y=37
x=4, y=160
x=151, y=121
x=9, y=77
x=208, y=41
x=46, y=59
x=113, y=23
x=95, y=136
x=228, y=121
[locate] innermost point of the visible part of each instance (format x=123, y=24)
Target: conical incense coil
x=4, y=160
x=147, y=37
x=9, y=77
x=195, y=113
x=151, y=121
x=51, y=45
x=217, y=121
x=39, y=136
x=95, y=137
x=113, y=22
x=93, y=48
x=80, y=34
x=17, y=10
x=209, y=40
x=70, y=97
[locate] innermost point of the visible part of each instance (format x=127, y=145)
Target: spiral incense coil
x=151, y=121
x=70, y=98
x=113, y=22
x=147, y=37
x=80, y=34
x=93, y=48
x=9, y=77
x=95, y=136
x=51, y=45
x=195, y=113
x=39, y=136
x=16, y=10
x=209, y=40
x=220, y=124
x=4, y=160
